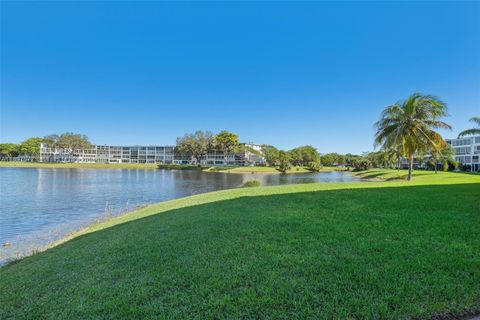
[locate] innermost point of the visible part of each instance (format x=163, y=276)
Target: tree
x=303, y=155
x=226, y=142
x=385, y=158
x=470, y=132
x=361, y=164
x=71, y=141
x=271, y=155
x=284, y=163
x=410, y=124
x=52, y=140
x=31, y=147
x=445, y=155
x=196, y=145
x=8, y=150
x=329, y=159
x=350, y=158
x=314, y=166
x=341, y=160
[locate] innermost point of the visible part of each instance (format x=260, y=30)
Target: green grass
x=178, y=167
x=15, y=164
x=374, y=250
x=224, y=169
x=260, y=169
x=422, y=175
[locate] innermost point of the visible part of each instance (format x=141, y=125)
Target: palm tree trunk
x=410, y=167
x=436, y=167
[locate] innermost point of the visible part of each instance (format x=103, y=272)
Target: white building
x=148, y=154
x=467, y=151
x=251, y=156
x=109, y=154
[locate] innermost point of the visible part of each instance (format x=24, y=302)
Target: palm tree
x=472, y=131
x=410, y=124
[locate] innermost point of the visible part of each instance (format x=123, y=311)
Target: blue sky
x=280, y=73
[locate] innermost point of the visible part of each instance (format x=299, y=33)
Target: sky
x=279, y=73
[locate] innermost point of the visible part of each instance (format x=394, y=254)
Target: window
x=461, y=142
x=462, y=150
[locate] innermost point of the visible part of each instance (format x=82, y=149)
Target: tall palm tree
x=472, y=131
x=410, y=125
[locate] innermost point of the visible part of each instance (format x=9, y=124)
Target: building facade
x=467, y=151
x=109, y=154
x=148, y=154
x=250, y=156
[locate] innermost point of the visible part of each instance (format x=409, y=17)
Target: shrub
x=445, y=166
x=178, y=167
x=361, y=164
x=284, y=162
x=314, y=166
x=252, y=183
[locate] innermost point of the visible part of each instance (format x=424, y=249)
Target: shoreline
x=383, y=176
x=48, y=165
x=152, y=166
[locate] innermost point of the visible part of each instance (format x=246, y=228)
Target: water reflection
x=39, y=205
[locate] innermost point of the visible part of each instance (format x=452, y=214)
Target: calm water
x=39, y=205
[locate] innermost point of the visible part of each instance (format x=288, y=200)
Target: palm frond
x=469, y=132
x=475, y=120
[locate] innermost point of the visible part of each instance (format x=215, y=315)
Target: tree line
x=406, y=130
x=31, y=147
x=195, y=146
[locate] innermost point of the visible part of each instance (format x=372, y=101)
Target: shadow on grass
x=375, y=175
x=389, y=253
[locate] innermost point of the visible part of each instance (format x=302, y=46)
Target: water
x=41, y=205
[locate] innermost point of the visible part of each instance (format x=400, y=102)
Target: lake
x=41, y=205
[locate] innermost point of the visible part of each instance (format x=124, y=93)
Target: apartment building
x=251, y=156
x=467, y=151
x=148, y=154
x=109, y=154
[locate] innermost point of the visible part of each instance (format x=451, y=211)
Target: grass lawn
x=392, y=175
x=14, y=164
x=373, y=250
x=272, y=170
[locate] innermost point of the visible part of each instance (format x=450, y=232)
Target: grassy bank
x=15, y=164
x=399, y=175
x=272, y=170
x=259, y=169
x=384, y=250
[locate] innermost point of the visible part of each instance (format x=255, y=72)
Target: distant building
x=148, y=154
x=250, y=156
x=467, y=151
x=109, y=154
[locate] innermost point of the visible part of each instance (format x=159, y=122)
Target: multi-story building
x=250, y=156
x=109, y=154
x=148, y=154
x=467, y=151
